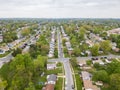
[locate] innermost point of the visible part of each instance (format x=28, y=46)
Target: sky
x=59, y=8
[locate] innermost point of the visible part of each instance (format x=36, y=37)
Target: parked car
x=73, y=87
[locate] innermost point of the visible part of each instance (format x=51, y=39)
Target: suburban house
x=114, y=47
x=88, y=85
x=82, y=63
x=1, y=36
x=51, y=81
x=85, y=75
x=89, y=42
x=114, y=31
x=95, y=38
x=3, y=49
x=49, y=87
x=52, y=44
x=69, y=48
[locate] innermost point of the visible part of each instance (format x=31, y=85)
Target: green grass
x=78, y=82
x=59, y=84
x=76, y=70
x=107, y=88
x=42, y=79
x=59, y=64
x=5, y=54
x=56, y=71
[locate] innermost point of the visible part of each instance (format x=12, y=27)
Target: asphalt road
x=5, y=59
x=89, y=57
x=60, y=51
x=68, y=73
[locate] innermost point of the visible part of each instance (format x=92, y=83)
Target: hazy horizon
x=59, y=9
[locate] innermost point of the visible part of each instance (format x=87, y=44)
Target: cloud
x=56, y=8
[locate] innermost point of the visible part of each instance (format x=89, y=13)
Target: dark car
x=105, y=57
x=96, y=58
x=73, y=87
x=92, y=58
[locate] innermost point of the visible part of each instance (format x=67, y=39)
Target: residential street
x=68, y=73
x=6, y=58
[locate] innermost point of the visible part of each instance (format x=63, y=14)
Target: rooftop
x=52, y=77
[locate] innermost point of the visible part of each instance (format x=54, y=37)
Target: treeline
x=108, y=74
x=22, y=72
x=40, y=48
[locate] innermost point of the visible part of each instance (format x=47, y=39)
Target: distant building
x=1, y=36
x=114, y=31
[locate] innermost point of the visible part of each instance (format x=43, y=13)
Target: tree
x=95, y=50
x=40, y=62
x=104, y=34
x=105, y=46
x=113, y=67
x=118, y=41
x=44, y=50
x=113, y=37
x=9, y=36
x=89, y=62
x=77, y=51
x=3, y=84
x=25, y=32
x=96, y=65
x=56, y=53
x=74, y=62
x=18, y=71
x=82, y=33
x=30, y=87
x=74, y=41
x=115, y=81
x=34, y=51
x=17, y=51
x=63, y=41
x=101, y=75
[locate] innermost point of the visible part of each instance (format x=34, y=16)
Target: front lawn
x=78, y=82
x=59, y=84
x=55, y=71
